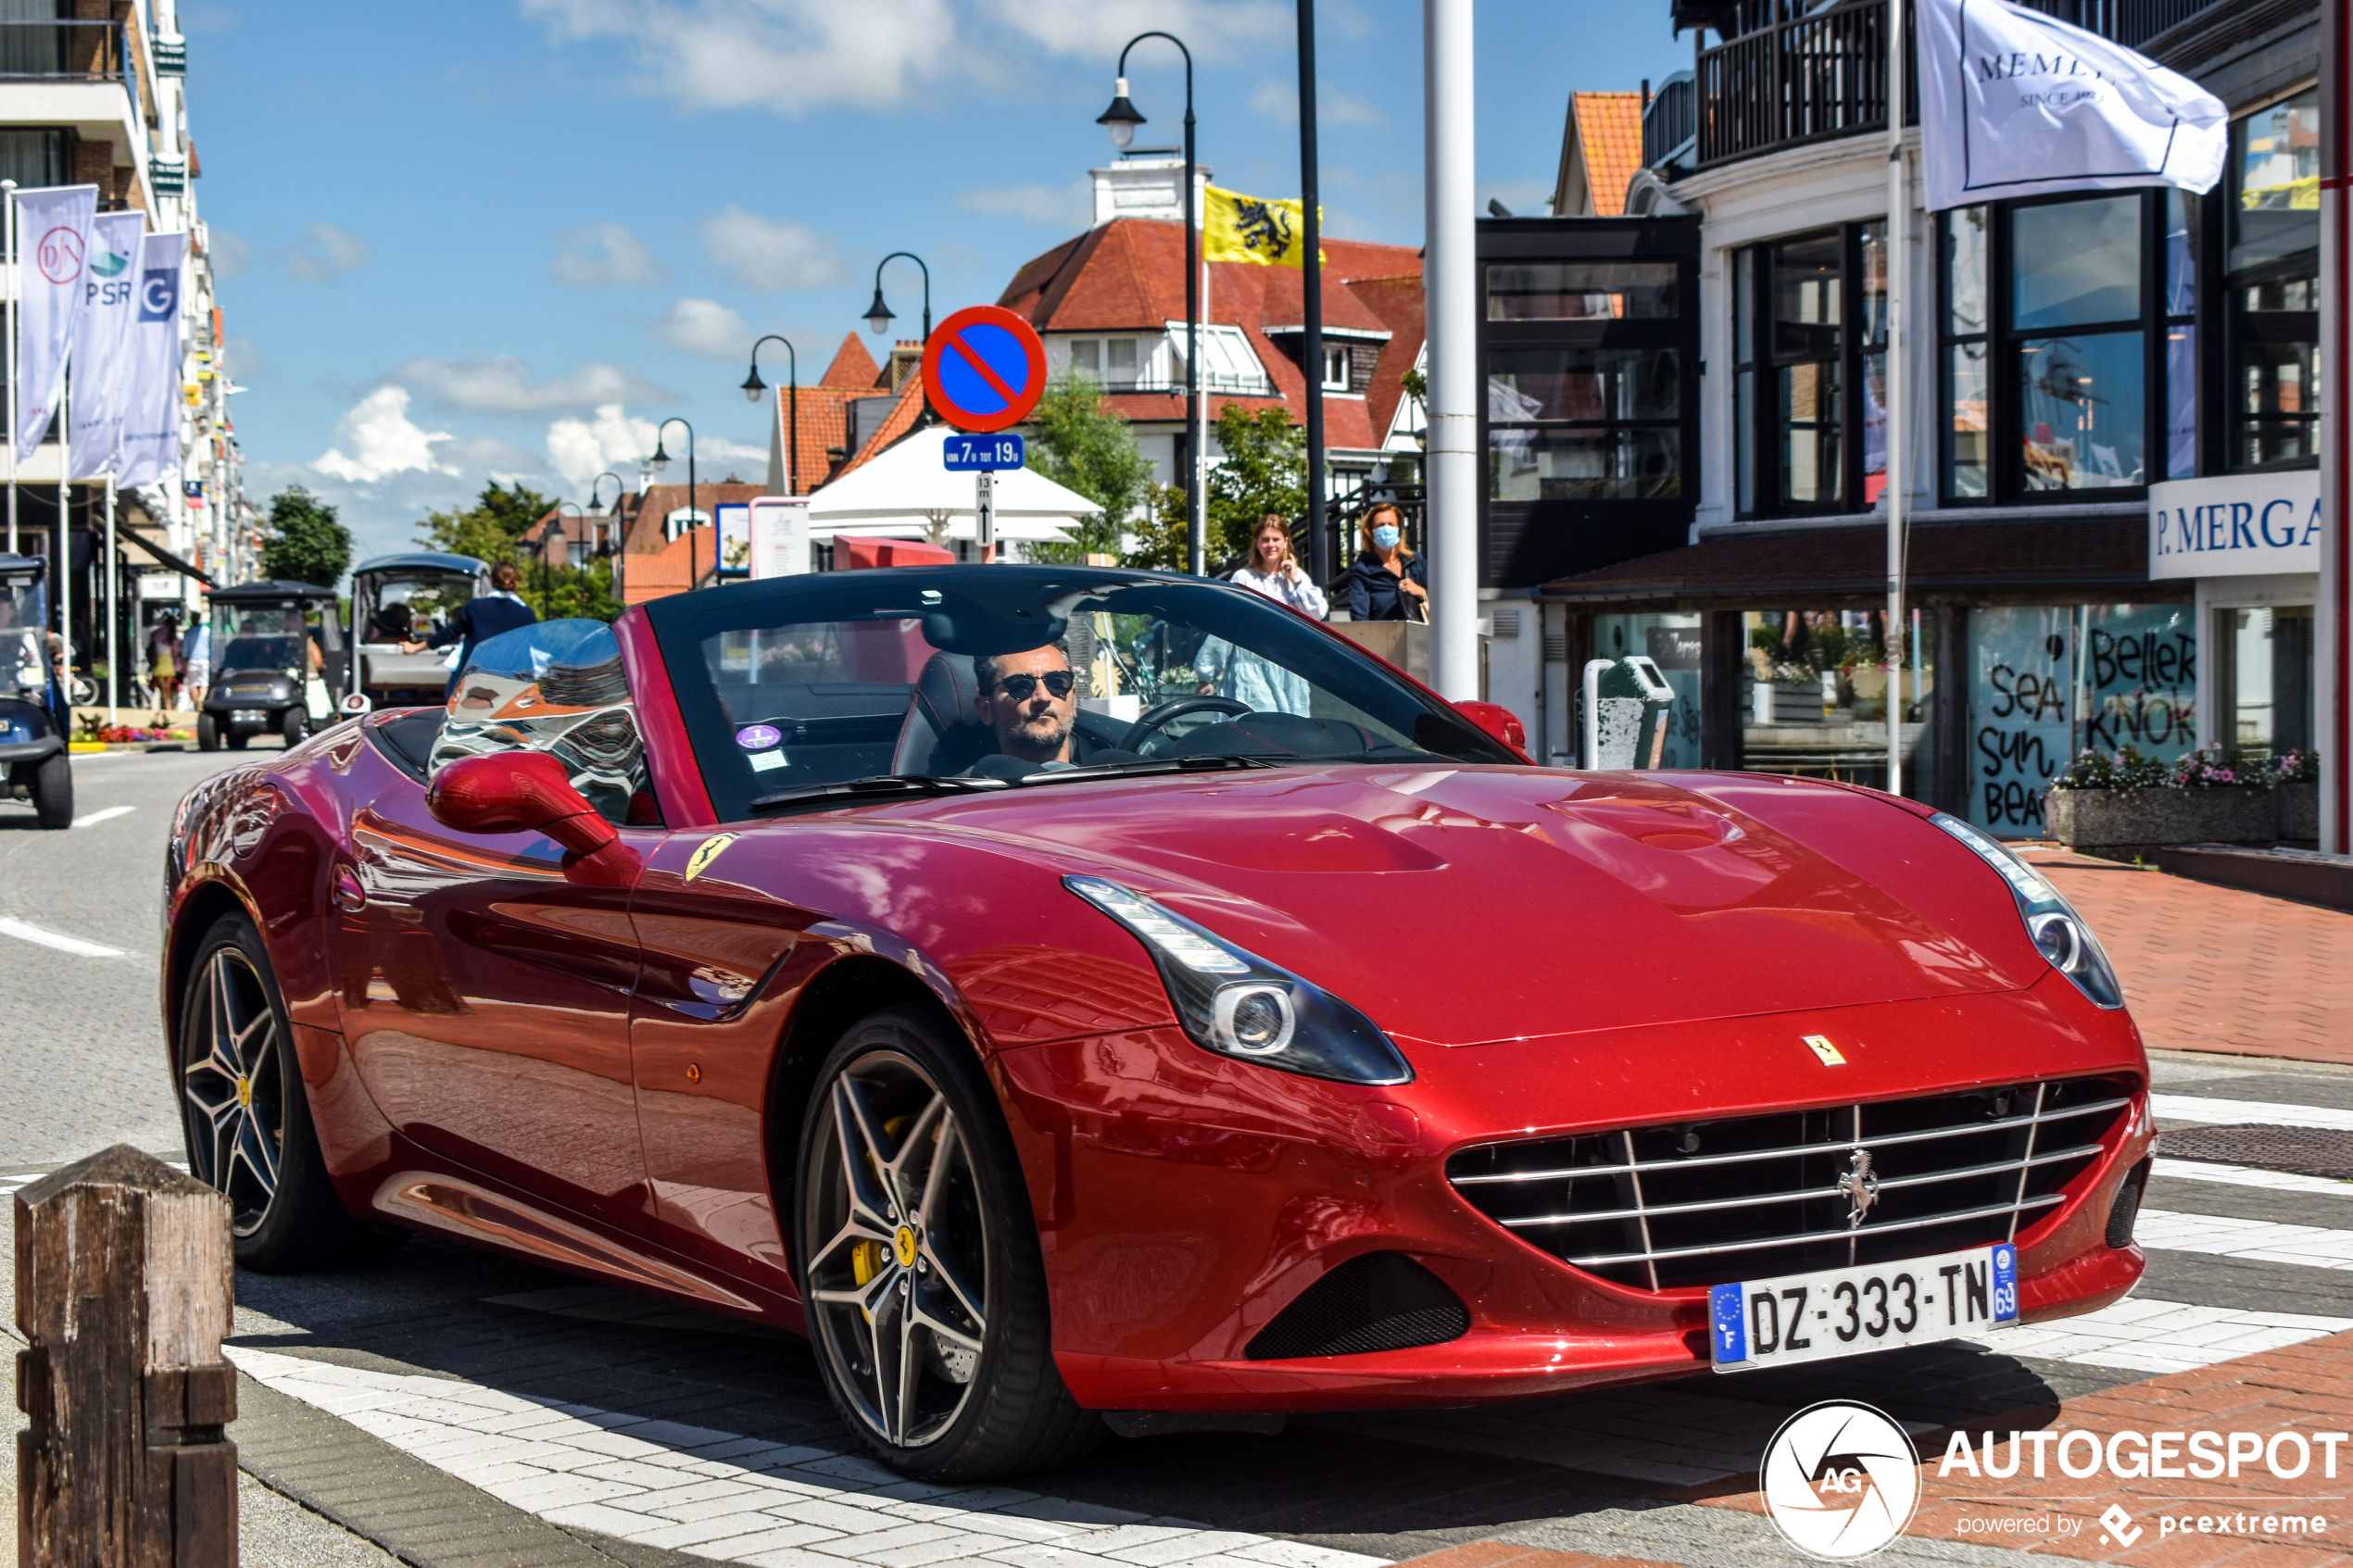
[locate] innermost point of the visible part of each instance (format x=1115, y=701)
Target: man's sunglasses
x=1021, y=688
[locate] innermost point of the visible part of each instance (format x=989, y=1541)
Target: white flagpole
x=15, y=311
x=114, y=665
x=1892, y=401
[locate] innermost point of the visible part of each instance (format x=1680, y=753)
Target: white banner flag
x=102, y=340
x=2014, y=103
x=152, y=402
x=52, y=236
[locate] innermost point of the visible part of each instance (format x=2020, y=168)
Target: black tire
x=293, y=724
x=207, y=733
x=53, y=790
x=246, y=1116
x=907, y=1088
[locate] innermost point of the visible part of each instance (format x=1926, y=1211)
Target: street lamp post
x=1310, y=275
x=754, y=386
x=552, y=545
x=1121, y=120
x=878, y=316
x=661, y=461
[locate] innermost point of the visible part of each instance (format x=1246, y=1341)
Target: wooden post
x=124, y=1284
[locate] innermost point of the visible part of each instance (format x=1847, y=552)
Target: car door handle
x=350, y=897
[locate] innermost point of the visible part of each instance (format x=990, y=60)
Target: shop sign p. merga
x=2235, y=524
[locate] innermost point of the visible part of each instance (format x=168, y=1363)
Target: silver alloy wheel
x=897, y=1287
x=231, y=1087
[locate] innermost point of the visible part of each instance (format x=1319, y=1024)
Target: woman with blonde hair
x=1223, y=669
x=1387, y=582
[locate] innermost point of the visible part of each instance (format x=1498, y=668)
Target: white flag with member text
x=102, y=340
x=2014, y=103
x=53, y=238
x=151, y=409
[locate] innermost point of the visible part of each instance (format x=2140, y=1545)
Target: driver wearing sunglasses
x=1030, y=699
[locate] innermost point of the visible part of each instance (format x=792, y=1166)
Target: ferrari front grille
x=1701, y=1202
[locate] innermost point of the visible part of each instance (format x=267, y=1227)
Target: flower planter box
x=2096, y=818
x=2299, y=810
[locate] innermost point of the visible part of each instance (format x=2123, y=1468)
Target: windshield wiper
x=879, y=786
x=1205, y=764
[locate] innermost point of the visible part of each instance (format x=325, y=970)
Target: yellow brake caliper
x=866, y=1257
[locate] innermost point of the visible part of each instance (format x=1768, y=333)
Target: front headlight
x=2060, y=933
x=1239, y=1005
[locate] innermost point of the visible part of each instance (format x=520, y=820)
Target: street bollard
x=124, y=1284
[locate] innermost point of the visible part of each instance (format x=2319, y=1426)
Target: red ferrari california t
x=1068, y=993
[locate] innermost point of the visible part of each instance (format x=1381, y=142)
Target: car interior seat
x=942, y=733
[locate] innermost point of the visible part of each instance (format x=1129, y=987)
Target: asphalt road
x=354, y=1406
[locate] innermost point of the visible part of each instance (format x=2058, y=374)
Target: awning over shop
x=2052, y=559
x=166, y=556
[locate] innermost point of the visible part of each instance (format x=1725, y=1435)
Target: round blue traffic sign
x=984, y=369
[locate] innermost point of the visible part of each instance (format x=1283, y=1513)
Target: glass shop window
x=1815, y=697
x=2272, y=286
x=1809, y=335
x=2268, y=686
x=1672, y=643
x=1580, y=291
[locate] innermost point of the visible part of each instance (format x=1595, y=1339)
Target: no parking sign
x=984, y=369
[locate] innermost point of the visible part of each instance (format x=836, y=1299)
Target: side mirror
x=1497, y=721
x=355, y=703
x=530, y=791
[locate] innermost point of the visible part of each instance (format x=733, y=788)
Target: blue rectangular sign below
x=979, y=454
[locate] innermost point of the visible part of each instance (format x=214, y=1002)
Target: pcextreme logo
x=1839, y=1480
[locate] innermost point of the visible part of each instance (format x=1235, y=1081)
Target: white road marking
x=2265, y=1241
x=741, y=1499
x=2263, y=1112
x=75, y=945
x=109, y=814
x=2144, y=1335
x=2250, y=1176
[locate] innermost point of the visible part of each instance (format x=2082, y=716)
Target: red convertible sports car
x=1067, y=993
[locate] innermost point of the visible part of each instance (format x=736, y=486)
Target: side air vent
x=1380, y=1301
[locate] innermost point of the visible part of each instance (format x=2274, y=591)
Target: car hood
x=1464, y=904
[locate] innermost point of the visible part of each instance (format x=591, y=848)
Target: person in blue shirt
x=485, y=617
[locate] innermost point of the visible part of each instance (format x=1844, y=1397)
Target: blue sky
x=502, y=238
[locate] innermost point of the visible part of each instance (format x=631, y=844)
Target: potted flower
x=2210, y=797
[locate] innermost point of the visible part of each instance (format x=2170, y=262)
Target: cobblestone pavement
x=449, y=1409
x=2217, y=969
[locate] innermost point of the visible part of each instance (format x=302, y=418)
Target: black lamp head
x=753, y=385
x=878, y=315
x=1121, y=117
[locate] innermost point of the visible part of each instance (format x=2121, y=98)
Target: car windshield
x=411, y=608
x=1025, y=676
x=267, y=636
x=23, y=614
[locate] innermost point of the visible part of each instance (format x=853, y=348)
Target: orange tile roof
x=658, y=574
x=902, y=418
x=853, y=368
x=1600, y=149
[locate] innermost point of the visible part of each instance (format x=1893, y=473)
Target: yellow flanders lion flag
x=1240, y=227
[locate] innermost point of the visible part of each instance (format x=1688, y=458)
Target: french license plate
x=1814, y=1317
x=249, y=716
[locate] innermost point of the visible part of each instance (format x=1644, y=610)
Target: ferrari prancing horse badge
x=706, y=852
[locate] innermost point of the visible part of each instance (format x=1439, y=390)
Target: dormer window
x=1336, y=368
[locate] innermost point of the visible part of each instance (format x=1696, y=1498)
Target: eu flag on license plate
x=1728, y=1323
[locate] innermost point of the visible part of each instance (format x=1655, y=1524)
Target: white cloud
x=718, y=457
x=1279, y=99
x=376, y=439
x=705, y=327
x=596, y=256
x=326, y=253
x=242, y=358
x=770, y=254
x=231, y=253
x=610, y=439
x=788, y=55
x=502, y=384
x=1095, y=30
x=1064, y=207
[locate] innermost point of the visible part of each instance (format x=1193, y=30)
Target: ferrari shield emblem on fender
x=707, y=851
x=1820, y=1044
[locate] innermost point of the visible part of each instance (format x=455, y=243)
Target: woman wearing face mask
x=1387, y=581
x=1226, y=671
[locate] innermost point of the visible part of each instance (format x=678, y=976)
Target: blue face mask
x=1385, y=537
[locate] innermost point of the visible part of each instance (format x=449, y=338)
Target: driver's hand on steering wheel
x=1206, y=688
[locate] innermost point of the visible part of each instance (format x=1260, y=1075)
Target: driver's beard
x=1039, y=739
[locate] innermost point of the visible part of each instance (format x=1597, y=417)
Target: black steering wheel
x=1177, y=708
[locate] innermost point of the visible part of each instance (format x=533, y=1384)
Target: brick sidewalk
x=2216, y=969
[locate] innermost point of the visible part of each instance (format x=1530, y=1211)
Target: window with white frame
x=1336, y=368
x=1228, y=363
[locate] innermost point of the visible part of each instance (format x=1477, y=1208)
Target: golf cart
x=34, y=720
x=403, y=599
x=278, y=658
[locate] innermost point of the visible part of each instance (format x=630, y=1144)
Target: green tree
x=1076, y=441
x=1263, y=473
x=570, y=591
x=306, y=542
x=487, y=530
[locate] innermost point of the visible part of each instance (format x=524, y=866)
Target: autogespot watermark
x=1841, y=1480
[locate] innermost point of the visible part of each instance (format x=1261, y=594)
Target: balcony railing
x=1670, y=123
x=88, y=51
x=1799, y=75
x=1210, y=380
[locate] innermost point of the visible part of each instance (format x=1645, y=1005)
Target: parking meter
x=1626, y=708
